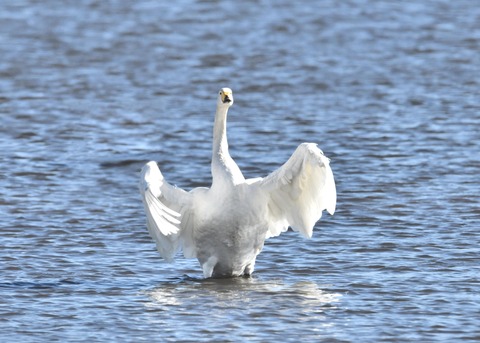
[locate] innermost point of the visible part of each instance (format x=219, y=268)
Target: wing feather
x=169, y=213
x=299, y=191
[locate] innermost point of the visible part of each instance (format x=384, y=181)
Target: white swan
x=225, y=226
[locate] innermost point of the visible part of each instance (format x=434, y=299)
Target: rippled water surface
x=91, y=90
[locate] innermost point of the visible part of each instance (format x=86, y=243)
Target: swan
x=225, y=226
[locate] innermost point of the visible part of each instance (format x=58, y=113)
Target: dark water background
x=91, y=90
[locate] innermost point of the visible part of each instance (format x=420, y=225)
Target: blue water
x=91, y=90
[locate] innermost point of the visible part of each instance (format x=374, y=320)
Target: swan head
x=225, y=97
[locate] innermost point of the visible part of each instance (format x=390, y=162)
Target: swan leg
x=249, y=268
x=208, y=266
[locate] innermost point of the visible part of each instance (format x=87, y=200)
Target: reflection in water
x=265, y=300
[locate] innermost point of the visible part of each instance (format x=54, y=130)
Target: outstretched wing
x=299, y=191
x=169, y=213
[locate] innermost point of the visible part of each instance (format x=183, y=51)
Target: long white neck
x=220, y=143
x=224, y=168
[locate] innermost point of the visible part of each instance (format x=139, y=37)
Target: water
x=90, y=91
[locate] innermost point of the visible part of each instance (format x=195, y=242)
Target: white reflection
x=306, y=297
